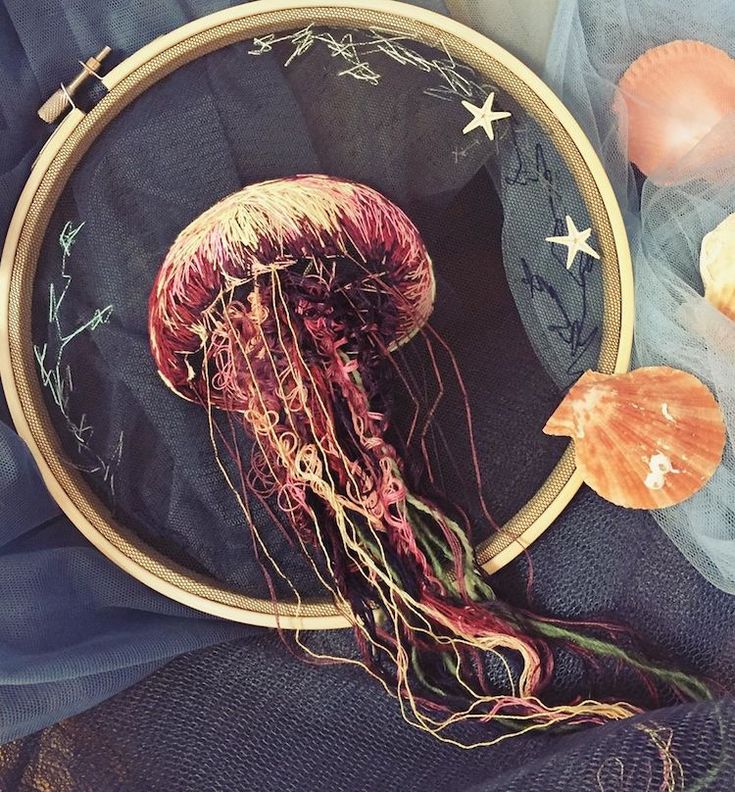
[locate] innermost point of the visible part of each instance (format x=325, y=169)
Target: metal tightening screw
x=61, y=100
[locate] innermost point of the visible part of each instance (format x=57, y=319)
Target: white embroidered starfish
x=484, y=116
x=576, y=242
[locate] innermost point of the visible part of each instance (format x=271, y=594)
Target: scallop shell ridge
x=646, y=439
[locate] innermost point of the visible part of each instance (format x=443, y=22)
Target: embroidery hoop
x=132, y=77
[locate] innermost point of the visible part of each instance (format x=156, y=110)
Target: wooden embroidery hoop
x=130, y=78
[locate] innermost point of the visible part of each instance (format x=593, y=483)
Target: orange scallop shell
x=673, y=96
x=644, y=440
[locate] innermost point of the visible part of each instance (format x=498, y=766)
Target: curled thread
x=289, y=302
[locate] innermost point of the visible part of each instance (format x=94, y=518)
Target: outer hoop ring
x=71, y=140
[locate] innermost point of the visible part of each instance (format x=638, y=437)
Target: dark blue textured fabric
x=246, y=715
x=74, y=629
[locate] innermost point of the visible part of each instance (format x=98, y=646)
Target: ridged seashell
x=646, y=439
x=674, y=95
x=717, y=266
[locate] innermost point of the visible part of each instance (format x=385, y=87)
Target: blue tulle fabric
x=594, y=42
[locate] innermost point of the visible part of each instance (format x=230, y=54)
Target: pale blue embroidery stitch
x=57, y=377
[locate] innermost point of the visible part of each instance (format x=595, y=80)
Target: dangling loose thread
x=283, y=307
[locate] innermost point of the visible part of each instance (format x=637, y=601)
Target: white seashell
x=717, y=266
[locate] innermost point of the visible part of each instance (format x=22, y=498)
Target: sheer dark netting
x=386, y=113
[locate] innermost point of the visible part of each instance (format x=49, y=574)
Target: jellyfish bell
x=312, y=232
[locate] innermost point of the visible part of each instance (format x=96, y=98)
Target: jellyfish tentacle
x=283, y=305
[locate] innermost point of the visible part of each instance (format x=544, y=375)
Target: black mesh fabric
x=258, y=110
x=292, y=740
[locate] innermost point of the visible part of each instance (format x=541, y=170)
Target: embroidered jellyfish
x=283, y=307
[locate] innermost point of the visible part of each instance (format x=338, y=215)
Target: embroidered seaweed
x=574, y=326
x=57, y=377
x=356, y=47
